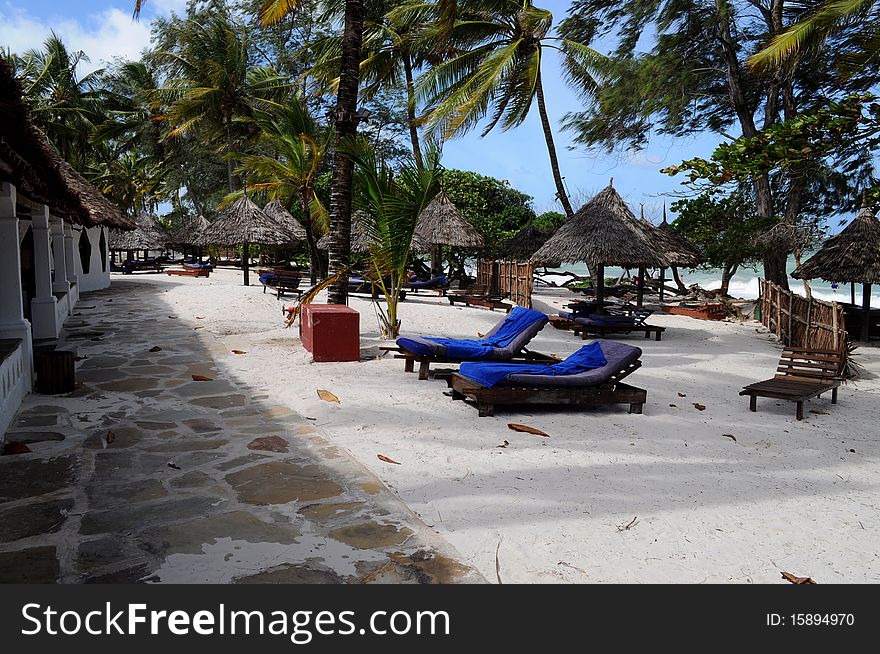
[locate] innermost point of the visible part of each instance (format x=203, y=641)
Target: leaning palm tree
x=213, y=86
x=860, y=18
x=391, y=203
x=289, y=174
x=498, y=73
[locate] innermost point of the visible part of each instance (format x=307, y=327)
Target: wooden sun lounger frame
x=410, y=359
x=479, y=296
x=802, y=374
x=609, y=392
x=189, y=272
x=283, y=282
x=586, y=331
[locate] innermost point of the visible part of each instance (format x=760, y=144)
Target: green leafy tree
x=549, y=221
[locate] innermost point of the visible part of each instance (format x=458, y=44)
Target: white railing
x=62, y=310
x=13, y=387
x=73, y=295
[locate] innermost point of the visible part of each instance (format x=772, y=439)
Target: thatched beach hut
x=360, y=240
x=525, y=243
x=603, y=232
x=283, y=217
x=243, y=223
x=852, y=256
x=147, y=235
x=441, y=223
x=678, y=250
x=188, y=231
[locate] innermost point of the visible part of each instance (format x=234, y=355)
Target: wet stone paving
x=144, y=474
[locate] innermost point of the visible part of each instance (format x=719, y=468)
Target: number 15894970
x=811, y=620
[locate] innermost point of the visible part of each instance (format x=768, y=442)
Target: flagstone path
x=144, y=474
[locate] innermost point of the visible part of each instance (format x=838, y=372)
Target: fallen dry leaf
x=15, y=447
x=504, y=444
x=819, y=412
x=110, y=437
x=527, y=429
x=200, y=317
x=699, y=407
x=797, y=580
x=201, y=378
x=674, y=406
x=239, y=352
x=171, y=464
x=327, y=396
x=730, y=436
x=556, y=356
x=386, y=459
x=199, y=327
x=173, y=317
x=155, y=348
x=682, y=395
x=480, y=335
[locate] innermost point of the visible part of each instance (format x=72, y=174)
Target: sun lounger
x=617, y=321
x=589, y=377
x=437, y=284
x=189, y=272
x=479, y=296
x=802, y=374
x=150, y=265
x=282, y=282
x=505, y=342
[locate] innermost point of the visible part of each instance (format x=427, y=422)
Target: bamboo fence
x=512, y=277
x=802, y=322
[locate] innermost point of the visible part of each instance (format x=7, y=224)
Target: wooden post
x=790, y=308
x=834, y=325
x=640, y=294
x=600, y=284
x=852, y=293
x=246, y=263
x=866, y=307
x=662, y=283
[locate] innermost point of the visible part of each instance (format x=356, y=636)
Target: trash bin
x=331, y=332
x=56, y=372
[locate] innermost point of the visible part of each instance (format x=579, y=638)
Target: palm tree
x=345, y=125
x=860, y=18
x=289, y=174
x=63, y=105
x=133, y=110
x=132, y=181
x=391, y=203
x=502, y=45
x=213, y=85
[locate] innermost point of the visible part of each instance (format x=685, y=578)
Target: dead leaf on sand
x=171, y=464
x=682, y=395
x=797, y=580
x=239, y=352
x=200, y=317
x=480, y=335
x=110, y=437
x=387, y=459
x=819, y=412
x=201, y=378
x=155, y=348
x=699, y=407
x=327, y=396
x=199, y=327
x=527, y=429
x=730, y=436
x=628, y=526
x=504, y=444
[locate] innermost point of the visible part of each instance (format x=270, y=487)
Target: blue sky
x=104, y=30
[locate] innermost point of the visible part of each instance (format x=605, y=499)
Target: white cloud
x=103, y=36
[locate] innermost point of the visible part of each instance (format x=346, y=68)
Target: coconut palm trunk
x=411, y=109
x=315, y=267
x=551, y=148
x=346, y=127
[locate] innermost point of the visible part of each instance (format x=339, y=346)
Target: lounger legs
x=659, y=334
x=423, y=369
x=834, y=396
x=800, y=411
x=486, y=410
x=408, y=365
x=457, y=396
x=636, y=408
x=753, y=403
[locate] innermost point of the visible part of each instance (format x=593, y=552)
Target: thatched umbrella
x=603, y=232
x=853, y=255
x=147, y=235
x=525, y=243
x=441, y=223
x=678, y=250
x=243, y=223
x=360, y=240
x=188, y=231
x=283, y=217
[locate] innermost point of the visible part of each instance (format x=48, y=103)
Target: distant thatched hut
x=243, y=223
x=147, y=235
x=678, y=250
x=441, y=223
x=853, y=256
x=283, y=217
x=604, y=232
x=188, y=231
x=525, y=243
x=360, y=240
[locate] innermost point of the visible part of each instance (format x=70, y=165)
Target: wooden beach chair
x=597, y=387
x=802, y=374
x=437, y=284
x=425, y=350
x=283, y=282
x=479, y=296
x=623, y=320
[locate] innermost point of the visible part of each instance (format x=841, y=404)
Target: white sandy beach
x=701, y=507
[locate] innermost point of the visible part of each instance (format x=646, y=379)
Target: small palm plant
x=392, y=202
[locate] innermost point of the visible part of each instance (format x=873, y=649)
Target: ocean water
x=745, y=282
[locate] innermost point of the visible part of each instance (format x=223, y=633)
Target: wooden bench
x=282, y=282
x=802, y=374
x=602, y=330
x=479, y=296
x=189, y=272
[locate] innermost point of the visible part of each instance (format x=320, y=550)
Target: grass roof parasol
x=244, y=222
x=148, y=234
x=525, y=243
x=360, y=241
x=281, y=215
x=188, y=231
x=441, y=223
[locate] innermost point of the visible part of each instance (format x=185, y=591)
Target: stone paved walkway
x=145, y=475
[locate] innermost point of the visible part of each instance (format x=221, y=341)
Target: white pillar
x=43, y=305
x=60, y=283
x=12, y=322
x=70, y=254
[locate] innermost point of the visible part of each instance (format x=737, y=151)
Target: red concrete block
x=331, y=332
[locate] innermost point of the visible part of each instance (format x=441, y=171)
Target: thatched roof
x=603, y=232
x=38, y=171
x=853, y=255
x=148, y=234
x=360, y=241
x=188, y=231
x=678, y=249
x=281, y=215
x=441, y=223
x=244, y=222
x=524, y=244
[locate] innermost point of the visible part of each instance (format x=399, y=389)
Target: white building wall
x=99, y=271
